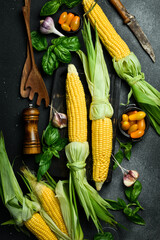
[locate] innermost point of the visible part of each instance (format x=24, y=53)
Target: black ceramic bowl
x=129, y=108
x=71, y=32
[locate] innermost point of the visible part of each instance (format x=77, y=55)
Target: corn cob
x=101, y=149
x=76, y=108
x=110, y=38
x=47, y=199
x=39, y=228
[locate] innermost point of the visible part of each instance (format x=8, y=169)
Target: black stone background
x=145, y=154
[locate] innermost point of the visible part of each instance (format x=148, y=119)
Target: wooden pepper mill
x=31, y=138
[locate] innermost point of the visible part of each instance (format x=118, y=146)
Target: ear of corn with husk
x=101, y=110
x=125, y=63
x=22, y=210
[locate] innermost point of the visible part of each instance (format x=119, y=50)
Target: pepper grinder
x=31, y=143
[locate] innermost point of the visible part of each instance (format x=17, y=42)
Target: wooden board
x=58, y=101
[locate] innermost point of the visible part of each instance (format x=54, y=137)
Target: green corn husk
x=94, y=205
x=20, y=207
x=97, y=75
x=66, y=196
x=34, y=186
x=147, y=97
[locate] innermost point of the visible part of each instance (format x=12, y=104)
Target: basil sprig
x=52, y=143
x=58, y=52
x=123, y=152
x=131, y=209
x=51, y=7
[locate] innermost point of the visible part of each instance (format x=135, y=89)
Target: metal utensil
x=35, y=80
x=132, y=23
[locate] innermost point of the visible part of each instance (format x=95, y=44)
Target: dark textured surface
x=145, y=154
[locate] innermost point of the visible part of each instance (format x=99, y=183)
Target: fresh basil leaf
x=55, y=153
x=50, y=8
x=38, y=157
x=60, y=144
x=127, y=148
x=119, y=157
x=121, y=202
x=39, y=42
x=44, y=163
x=133, y=216
x=71, y=43
x=133, y=192
x=104, y=236
x=62, y=54
x=49, y=62
x=51, y=135
x=115, y=204
x=42, y=170
x=57, y=41
x=71, y=3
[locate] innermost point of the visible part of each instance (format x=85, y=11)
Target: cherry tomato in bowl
x=72, y=23
x=137, y=120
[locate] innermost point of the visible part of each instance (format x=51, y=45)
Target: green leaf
x=55, y=153
x=49, y=62
x=38, y=157
x=116, y=205
x=104, y=236
x=57, y=41
x=133, y=216
x=71, y=3
x=71, y=43
x=50, y=8
x=119, y=157
x=62, y=54
x=133, y=192
x=39, y=42
x=51, y=135
x=60, y=144
x=127, y=148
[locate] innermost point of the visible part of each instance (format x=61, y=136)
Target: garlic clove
x=59, y=120
x=130, y=177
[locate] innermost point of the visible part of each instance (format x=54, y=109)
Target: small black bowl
x=71, y=32
x=129, y=108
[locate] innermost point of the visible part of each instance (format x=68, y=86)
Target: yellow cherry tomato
x=137, y=134
x=62, y=18
x=141, y=124
x=125, y=125
x=66, y=27
x=131, y=112
x=132, y=128
x=124, y=117
x=75, y=23
x=70, y=16
x=137, y=116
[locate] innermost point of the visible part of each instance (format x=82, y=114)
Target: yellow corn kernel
x=76, y=107
x=39, y=228
x=110, y=38
x=50, y=204
x=102, y=134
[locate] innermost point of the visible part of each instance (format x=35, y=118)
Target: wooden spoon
x=35, y=80
x=27, y=66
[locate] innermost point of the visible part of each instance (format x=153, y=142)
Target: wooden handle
x=27, y=22
x=31, y=138
x=121, y=10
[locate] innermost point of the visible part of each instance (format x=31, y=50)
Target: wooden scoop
x=35, y=80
